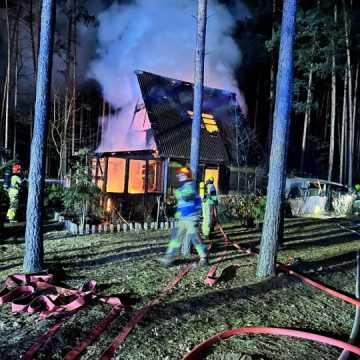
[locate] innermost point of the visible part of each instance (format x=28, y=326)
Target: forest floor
x=127, y=264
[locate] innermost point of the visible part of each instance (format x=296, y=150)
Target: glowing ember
x=109, y=205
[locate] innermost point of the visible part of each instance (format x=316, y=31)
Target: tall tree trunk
x=16, y=80
x=7, y=94
x=324, y=109
x=343, y=132
x=32, y=39
x=273, y=221
x=354, y=114
x=198, y=86
x=350, y=107
x=272, y=82
x=34, y=252
x=333, y=105
x=307, y=116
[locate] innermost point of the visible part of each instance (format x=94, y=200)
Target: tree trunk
x=333, y=106
x=198, y=86
x=306, y=117
x=272, y=82
x=350, y=107
x=354, y=112
x=273, y=221
x=7, y=94
x=34, y=253
x=343, y=132
x=32, y=38
x=16, y=80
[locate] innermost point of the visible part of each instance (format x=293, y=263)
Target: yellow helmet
x=185, y=171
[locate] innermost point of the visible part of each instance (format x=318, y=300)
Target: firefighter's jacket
x=210, y=195
x=188, y=201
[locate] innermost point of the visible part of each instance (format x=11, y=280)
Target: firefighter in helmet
x=187, y=213
x=13, y=191
x=209, y=201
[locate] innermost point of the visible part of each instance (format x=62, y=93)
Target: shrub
x=259, y=208
x=342, y=204
x=54, y=198
x=82, y=197
x=243, y=207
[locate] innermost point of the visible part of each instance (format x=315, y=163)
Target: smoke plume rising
x=158, y=36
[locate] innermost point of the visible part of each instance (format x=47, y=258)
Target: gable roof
x=169, y=103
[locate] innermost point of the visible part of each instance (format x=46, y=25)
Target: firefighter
x=13, y=191
x=188, y=208
x=209, y=201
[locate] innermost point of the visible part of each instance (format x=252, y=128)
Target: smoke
x=159, y=36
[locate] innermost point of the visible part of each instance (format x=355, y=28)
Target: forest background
x=324, y=135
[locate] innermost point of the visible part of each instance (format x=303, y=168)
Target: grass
x=126, y=265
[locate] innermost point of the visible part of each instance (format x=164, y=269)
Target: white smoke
x=159, y=36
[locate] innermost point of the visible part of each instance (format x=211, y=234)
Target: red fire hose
x=26, y=284
x=211, y=280
x=195, y=354
x=38, y=293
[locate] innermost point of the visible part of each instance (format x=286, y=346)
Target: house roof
x=169, y=103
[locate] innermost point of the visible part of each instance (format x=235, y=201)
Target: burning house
x=138, y=168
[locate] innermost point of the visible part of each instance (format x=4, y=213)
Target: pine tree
x=198, y=86
x=33, y=260
x=273, y=222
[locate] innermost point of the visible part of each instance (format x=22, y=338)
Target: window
x=209, y=122
x=136, y=177
x=97, y=171
x=116, y=175
x=154, y=176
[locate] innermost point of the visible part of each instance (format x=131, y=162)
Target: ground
x=127, y=264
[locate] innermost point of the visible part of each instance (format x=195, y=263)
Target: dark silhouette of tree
x=273, y=222
x=34, y=252
x=198, y=86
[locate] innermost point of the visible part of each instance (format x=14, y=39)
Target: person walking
x=209, y=201
x=13, y=192
x=187, y=213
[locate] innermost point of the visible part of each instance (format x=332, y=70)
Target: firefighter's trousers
x=207, y=213
x=14, y=204
x=186, y=232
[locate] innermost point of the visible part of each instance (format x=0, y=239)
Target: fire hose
x=38, y=293
x=347, y=348
x=195, y=354
x=140, y=314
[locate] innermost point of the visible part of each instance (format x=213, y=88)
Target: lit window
x=154, y=176
x=136, y=177
x=116, y=175
x=209, y=122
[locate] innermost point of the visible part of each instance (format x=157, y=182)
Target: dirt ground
x=127, y=264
